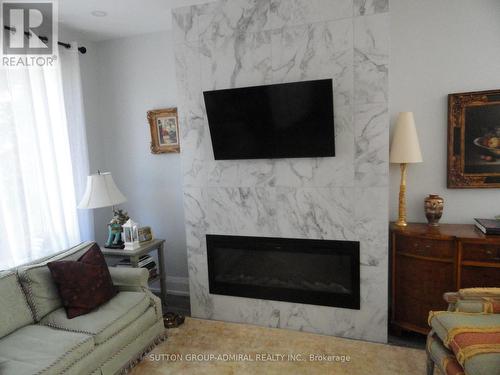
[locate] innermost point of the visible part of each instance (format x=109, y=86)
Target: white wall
x=135, y=75
x=437, y=48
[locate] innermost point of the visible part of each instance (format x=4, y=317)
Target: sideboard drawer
x=442, y=249
x=480, y=252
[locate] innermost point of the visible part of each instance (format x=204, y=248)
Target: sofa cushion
x=42, y=350
x=449, y=324
x=106, y=320
x=442, y=357
x=83, y=284
x=41, y=291
x=14, y=308
x=481, y=364
x=14, y=367
x=484, y=305
x=122, y=347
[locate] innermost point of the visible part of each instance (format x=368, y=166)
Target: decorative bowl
x=494, y=151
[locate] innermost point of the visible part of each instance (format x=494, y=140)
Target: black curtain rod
x=82, y=49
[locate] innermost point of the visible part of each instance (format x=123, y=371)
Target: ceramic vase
x=433, y=209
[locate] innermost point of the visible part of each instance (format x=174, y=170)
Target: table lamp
x=101, y=191
x=404, y=149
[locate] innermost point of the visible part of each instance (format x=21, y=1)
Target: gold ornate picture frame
x=474, y=139
x=164, y=128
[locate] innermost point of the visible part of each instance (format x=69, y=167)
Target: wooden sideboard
x=427, y=261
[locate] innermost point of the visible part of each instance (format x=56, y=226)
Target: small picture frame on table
x=164, y=128
x=145, y=234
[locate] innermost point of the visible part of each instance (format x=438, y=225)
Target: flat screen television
x=288, y=120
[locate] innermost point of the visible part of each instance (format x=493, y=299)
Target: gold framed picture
x=164, y=127
x=474, y=139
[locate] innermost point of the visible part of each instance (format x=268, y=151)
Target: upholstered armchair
x=465, y=339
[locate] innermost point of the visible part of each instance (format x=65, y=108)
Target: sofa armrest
x=451, y=299
x=129, y=278
x=478, y=293
x=474, y=300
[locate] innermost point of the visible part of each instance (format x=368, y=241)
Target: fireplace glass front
x=318, y=272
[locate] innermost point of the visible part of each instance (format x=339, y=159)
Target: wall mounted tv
x=288, y=120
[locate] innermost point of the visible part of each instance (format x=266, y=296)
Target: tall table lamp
x=404, y=149
x=101, y=191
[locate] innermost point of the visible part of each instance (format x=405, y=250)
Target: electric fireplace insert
x=316, y=272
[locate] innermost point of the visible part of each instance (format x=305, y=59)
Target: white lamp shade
x=405, y=147
x=101, y=191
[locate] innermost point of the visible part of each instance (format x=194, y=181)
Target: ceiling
x=124, y=17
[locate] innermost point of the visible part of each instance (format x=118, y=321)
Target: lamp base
x=402, y=198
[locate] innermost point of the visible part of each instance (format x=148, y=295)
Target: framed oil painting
x=474, y=139
x=164, y=127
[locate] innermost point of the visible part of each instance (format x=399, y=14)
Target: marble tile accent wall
x=235, y=43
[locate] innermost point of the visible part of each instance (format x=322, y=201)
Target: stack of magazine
x=145, y=261
x=488, y=226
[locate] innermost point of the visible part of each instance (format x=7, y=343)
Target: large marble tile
x=228, y=18
x=294, y=172
x=371, y=204
x=371, y=135
x=194, y=173
x=196, y=217
x=242, y=211
x=373, y=242
x=316, y=51
x=371, y=321
x=246, y=310
x=202, y=305
x=323, y=213
x=260, y=172
x=185, y=24
x=299, y=12
x=222, y=173
x=244, y=60
x=195, y=138
x=339, y=170
x=366, y=7
x=303, y=317
x=371, y=59
x=188, y=79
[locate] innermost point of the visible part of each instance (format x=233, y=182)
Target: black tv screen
x=288, y=120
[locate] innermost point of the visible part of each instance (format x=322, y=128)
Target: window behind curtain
x=38, y=214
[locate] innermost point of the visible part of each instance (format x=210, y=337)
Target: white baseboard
x=177, y=286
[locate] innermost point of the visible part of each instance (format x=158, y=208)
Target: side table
x=134, y=255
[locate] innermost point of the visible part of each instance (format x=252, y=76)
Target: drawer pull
x=417, y=246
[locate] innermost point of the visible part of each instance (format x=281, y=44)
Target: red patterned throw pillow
x=83, y=284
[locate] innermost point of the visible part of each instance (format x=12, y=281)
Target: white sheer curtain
x=42, y=154
x=73, y=99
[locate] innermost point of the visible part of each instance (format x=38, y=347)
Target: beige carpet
x=211, y=347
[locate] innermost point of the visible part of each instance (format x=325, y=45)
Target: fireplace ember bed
x=309, y=271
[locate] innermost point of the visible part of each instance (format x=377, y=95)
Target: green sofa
x=36, y=337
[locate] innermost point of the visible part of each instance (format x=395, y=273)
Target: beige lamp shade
x=405, y=147
x=101, y=191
